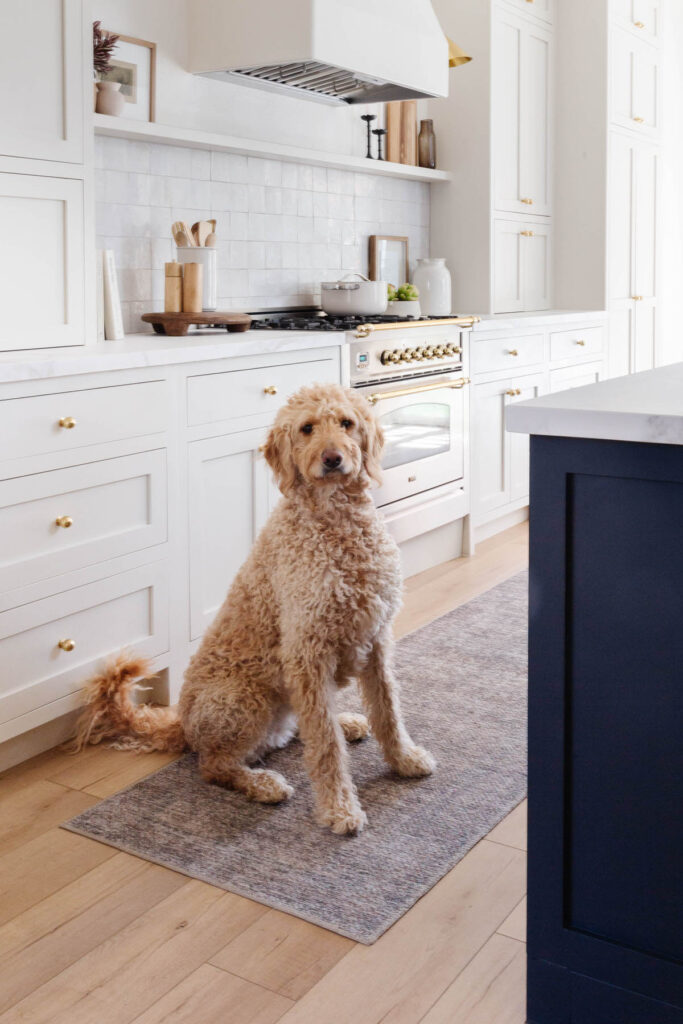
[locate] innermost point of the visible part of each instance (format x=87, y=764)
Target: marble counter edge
x=147, y=350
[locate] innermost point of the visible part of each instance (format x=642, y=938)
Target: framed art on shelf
x=389, y=259
x=133, y=65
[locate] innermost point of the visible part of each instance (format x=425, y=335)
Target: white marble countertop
x=644, y=407
x=139, y=350
x=543, y=318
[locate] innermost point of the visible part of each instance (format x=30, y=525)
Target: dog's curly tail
x=110, y=712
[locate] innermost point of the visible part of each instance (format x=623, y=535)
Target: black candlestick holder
x=369, y=118
x=380, y=133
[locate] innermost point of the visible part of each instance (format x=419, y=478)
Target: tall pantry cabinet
x=494, y=222
x=45, y=190
x=609, y=171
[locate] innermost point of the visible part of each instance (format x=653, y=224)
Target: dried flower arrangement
x=103, y=44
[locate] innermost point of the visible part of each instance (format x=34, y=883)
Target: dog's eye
x=307, y=428
x=347, y=424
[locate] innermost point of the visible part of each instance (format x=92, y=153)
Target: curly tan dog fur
x=311, y=608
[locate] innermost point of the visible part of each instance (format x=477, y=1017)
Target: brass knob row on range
x=419, y=355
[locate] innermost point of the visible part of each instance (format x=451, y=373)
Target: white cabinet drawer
x=506, y=353
x=581, y=343
x=575, y=376
x=129, y=609
x=39, y=424
x=105, y=509
x=215, y=397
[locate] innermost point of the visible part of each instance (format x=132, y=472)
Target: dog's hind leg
x=260, y=784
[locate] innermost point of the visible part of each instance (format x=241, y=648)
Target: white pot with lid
x=360, y=297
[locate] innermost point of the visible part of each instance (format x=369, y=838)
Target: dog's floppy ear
x=372, y=438
x=278, y=453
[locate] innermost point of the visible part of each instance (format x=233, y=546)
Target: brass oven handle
x=363, y=330
x=380, y=396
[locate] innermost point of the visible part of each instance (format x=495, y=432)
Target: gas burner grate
x=315, y=321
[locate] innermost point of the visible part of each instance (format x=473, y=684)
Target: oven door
x=424, y=426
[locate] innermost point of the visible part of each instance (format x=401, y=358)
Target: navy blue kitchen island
x=605, y=907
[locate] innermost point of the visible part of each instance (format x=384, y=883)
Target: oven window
x=414, y=432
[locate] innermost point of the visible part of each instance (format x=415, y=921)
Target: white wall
x=189, y=101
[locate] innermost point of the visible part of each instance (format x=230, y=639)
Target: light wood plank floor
x=90, y=934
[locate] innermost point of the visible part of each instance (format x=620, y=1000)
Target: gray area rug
x=464, y=697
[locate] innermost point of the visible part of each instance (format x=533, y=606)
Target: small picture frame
x=133, y=64
x=389, y=259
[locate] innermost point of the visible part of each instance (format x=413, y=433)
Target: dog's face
x=325, y=436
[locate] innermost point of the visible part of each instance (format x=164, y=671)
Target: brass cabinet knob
x=513, y=352
x=639, y=24
x=527, y=201
x=637, y=298
x=67, y=645
x=68, y=422
x=639, y=120
x=65, y=521
x=527, y=234
x=580, y=341
x=510, y=392
x=270, y=389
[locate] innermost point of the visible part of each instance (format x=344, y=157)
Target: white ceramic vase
x=109, y=99
x=433, y=281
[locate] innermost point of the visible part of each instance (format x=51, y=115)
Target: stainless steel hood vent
x=334, y=51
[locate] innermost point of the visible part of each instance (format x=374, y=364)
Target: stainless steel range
x=414, y=372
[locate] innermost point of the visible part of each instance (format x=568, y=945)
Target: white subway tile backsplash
x=282, y=227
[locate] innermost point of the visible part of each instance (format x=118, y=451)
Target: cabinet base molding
x=483, y=531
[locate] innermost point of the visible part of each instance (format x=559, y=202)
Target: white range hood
x=334, y=51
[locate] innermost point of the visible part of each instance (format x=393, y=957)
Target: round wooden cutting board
x=176, y=324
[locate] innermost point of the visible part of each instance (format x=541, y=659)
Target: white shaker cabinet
x=635, y=182
x=45, y=174
x=521, y=116
x=642, y=17
x=522, y=270
x=231, y=495
x=635, y=83
x=41, y=80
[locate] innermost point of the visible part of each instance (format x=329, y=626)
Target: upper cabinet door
x=535, y=121
x=41, y=80
x=641, y=17
x=635, y=83
x=621, y=196
x=647, y=189
x=521, y=116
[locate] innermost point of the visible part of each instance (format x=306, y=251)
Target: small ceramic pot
x=109, y=99
x=404, y=307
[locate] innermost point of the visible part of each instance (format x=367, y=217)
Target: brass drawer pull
x=513, y=352
x=580, y=341
x=639, y=120
x=637, y=298
x=510, y=392
x=67, y=645
x=270, y=389
x=64, y=521
x=68, y=422
x=639, y=24
x=527, y=201
x=527, y=234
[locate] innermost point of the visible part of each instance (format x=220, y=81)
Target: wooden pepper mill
x=192, y=287
x=173, y=288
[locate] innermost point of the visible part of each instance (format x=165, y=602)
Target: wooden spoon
x=210, y=242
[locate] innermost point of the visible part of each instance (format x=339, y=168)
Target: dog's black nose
x=331, y=459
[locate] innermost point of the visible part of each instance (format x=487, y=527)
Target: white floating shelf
x=149, y=132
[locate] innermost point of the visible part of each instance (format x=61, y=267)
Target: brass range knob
x=64, y=521
x=439, y=351
x=67, y=644
x=68, y=422
x=270, y=389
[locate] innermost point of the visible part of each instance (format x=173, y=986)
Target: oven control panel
x=420, y=354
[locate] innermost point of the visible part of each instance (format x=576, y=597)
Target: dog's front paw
x=269, y=787
x=346, y=819
x=413, y=762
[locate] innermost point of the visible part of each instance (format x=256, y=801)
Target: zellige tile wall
x=282, y=227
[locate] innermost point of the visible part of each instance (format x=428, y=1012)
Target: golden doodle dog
x=310, y=610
